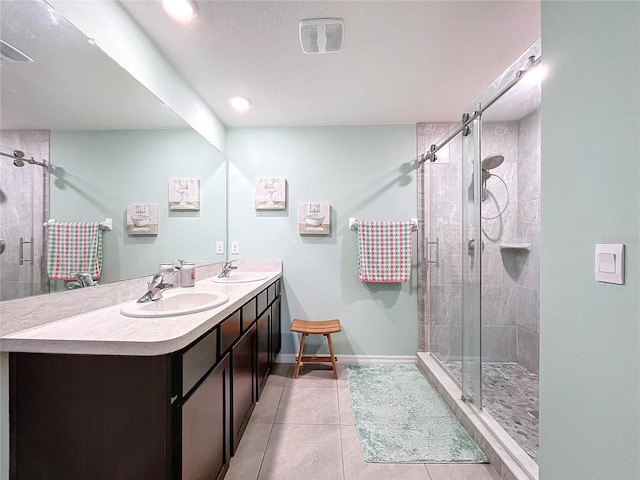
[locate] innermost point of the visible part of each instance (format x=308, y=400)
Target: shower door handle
x=471, y=246
x=22, y=242
x=437, y=255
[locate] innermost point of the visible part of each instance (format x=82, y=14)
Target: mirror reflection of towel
x=384, y=252
x=74, y=248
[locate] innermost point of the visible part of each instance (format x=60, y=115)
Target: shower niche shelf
x=516, y=246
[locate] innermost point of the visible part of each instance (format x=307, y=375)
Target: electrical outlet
x=235, y=247
x=219, y=247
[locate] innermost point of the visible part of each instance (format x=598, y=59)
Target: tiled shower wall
x=510, y=278
x=529, y=187
x=439, y=279
x=24, y=207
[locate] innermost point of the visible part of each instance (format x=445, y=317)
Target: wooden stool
x=320, y=327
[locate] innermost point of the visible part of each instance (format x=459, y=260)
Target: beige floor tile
x=315, y=375
x=355, y=468
x=266, y=408
x=308, y=405
x=342, y=377
x=462, y=472
x=345, y=408
x=279, y=374
x=303, y=452
x=245, y=464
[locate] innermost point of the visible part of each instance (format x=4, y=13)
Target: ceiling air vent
x=12, y=54
x=321, y=35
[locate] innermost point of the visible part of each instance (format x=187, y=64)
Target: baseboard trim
x=356, y=359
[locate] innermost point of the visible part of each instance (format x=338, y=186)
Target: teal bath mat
x=401, y=418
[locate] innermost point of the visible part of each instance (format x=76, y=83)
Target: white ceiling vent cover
x=321, y=35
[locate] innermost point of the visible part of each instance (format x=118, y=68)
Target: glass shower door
x=16, y=228
x=471, y=264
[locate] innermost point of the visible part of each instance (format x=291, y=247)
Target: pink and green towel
x=74, y=248
x=384, y=252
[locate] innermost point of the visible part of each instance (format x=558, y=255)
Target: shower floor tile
x=510, y=396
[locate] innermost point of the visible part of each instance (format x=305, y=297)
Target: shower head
x=492, y=161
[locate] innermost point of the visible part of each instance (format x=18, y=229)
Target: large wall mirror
x=106, y=143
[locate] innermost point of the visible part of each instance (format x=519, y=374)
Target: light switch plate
x=609, y=263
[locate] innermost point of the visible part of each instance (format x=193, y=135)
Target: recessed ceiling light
x=240, y=102
x=181, y=9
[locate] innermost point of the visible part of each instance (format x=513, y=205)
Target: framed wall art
x=314, y=219
x=184, y=194
x=142, y=219
x=270, y=193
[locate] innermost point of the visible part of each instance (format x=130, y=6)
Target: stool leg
x=333, y=358
x=299, y=359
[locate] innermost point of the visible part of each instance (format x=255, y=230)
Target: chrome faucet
x=83, y=279
x=226, y=269
x=156, y=289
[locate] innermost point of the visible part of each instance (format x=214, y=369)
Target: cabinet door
x=263, y=350
x=77, y=417
x=205, y=427
x=243, y=378
x=275, y=330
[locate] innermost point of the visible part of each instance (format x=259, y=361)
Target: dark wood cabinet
x=76, y=417
x=178, y=416
x=205, y=418
x=264, y=362
x=276, y=330
x=243, y=374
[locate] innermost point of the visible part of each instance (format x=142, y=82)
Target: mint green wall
x=358, y=170
x=590, y=331
x=97, y=174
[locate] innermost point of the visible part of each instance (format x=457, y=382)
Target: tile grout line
x=264, y=453
x=340, y=430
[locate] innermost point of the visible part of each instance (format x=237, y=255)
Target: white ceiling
x=401, y=61
x=71, y=84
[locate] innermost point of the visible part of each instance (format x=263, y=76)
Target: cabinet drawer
x=230, y=330
x=198, y=359
x=271, y=293
x=248, y=313
x=278, y=288
x=262, y=301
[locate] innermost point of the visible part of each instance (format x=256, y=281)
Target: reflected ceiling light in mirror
x=240, y=103
x=181, y=9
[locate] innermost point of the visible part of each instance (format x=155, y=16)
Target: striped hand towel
x=384, y=252
x=73, y=248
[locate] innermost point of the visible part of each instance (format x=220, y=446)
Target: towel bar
x=107, y=224
x=353, y=223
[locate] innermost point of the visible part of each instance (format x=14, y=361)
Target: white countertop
x=107, y=332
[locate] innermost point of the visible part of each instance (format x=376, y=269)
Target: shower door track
x=467, y=118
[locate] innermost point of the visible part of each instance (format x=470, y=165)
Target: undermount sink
x=174, y=303
x=241, y=277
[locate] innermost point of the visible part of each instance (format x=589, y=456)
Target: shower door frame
x=471, y=259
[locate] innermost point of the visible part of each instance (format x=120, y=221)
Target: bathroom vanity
x=141, y=398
